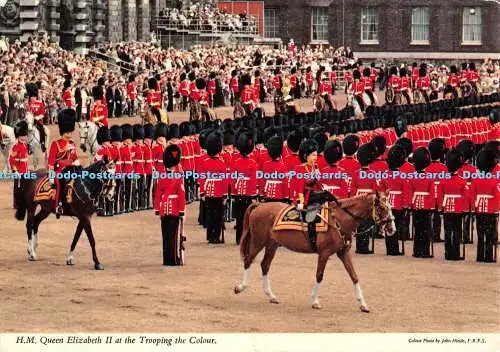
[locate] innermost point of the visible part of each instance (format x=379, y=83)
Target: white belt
x=22, y=159
x=119, y=162
x=331, y=187
x=420, y=193
x=139, y=161
x=128, y=162
x=274, y=182
x=395, y=192
x=173, y=196
x=450, y=196
x=480, y=197
x=365, y=190
x=149, y=161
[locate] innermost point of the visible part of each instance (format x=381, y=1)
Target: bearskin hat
x=173, y=131
x=67, y=84
x=161, y=130
x=276, y=71
x=332, y=152
x=437, y=148
x=101, y=81
x=321, y=139
x=467, y=148
x=402, y=72
x=32, y=90
x=306, y=148
x=268, y=133
x=472, y=66
x=356, y=74
x=182, y=77
x=245, y=143
x=492, y=146
x=396, y=157
x=192, y=76
x=367, y=72
x=393, y=71
x=454, y=160
x=246, y=80
x=149, y=131
x=66, y=121
x=350, y=144
x=203, y=137
x=21, y=129
x=103, y=135
x=214, y=143
x=494, y=116
x=138, y=132
x=275, y=147
x=97, y=93
x=152, y=83
x=380, y=143
x=229, y=137
x=201, y=83
x=421, y=158
x=115, y=133
x=172, y=156
x=400, y=125
x=367, y=154
x=486, y=160
x=422, y=72
x=453, y=69
x=131, y=78
x=406, y=144
x=293, y=141
x=127, y=131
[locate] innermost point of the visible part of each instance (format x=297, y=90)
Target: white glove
x=300, y=206
x=76, y=162
x=52, y=180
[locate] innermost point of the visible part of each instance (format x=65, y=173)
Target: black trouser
x=111, y=107
x=467, y=224
x=436, y=225
x=190, y=189
x=487, y=237
x=118, y=197
x=452, y=235
x=363, y=237
x=328, y=102
x=172, y=243
x=240, y=205
x=228, y=209
x=370, y=94
x=148, y=195
x=214, y=208
x=138, y=193
x=127, y=195
x=392, y=242
x=185, y=102
x=131, y=107
x=202, y=215
x=407, y=96
x=423, y=233
x=41, y=131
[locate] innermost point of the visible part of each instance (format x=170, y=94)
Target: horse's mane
x=348, y=202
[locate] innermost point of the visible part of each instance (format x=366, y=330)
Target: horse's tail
x=245, y=238
x=21, y=206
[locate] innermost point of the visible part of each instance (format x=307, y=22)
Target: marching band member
x=453, y=200
x=485, y=194
x=368, y=84
x=405, y=85
x=116, y=139
x=243, y=188
x=104, y=151
x=423, y=83
x=184, y=90
x=62, y=153
x=437, y=149
x=170, y=206
x=325, y=90
x=99, y=114
x=37, y=107
x=18, y=157
x=211, y=87
x=248, y=96
x=453, y=81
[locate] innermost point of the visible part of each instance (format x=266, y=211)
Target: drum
x=154, y=116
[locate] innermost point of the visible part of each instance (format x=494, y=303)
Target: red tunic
x=170, y=198
x=131, y=91
x=351, y=166
x=423, y=83
x=115, y=154
x=333, y=77
x=293, y=81
x=348, y=76
x=62, y=153
x=147, y=152
x=99, y=113
x=203, y=97
x=303, y=181
x=421, y=191
x=436, y=167
x=395, y=82
x=234, y=85
x=453, y=195
x=102, y=152
x=154, y=99
x=398, y=188
x=274, y=186
x=453, y=80
x=18, y=159
x=248, y=97
x=277, y=82
x=183, y=88
x=246, y=183
x=485, y=195
x=335, y=182
x=68, y=99
x=158, y=150
x=368, y=83
x=127, y=159
x=358, y=88
x=37, y=107
x=211, y=86
x=364, y=184
x=194, y=92
x=138, y=158
x=414, y=73
x=325, y=87
x=309, y=78
x=215, y=186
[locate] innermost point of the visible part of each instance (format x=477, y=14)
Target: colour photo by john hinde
x=206, y=167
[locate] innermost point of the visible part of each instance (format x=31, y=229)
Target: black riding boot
x=41, y=131
x=311, y=229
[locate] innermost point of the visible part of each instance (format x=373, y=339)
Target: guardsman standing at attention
x=349, y=163
x=147, y=151
x=161, y=131
x=127, y=166
x=485, y=194
x=336, y=181
x=99, y=113
x=104, y=151
x=62, y=153
x=398, y=199
x=244, y=187
x=467, y=148
x=437, y=149
x=453, y=200
x=116, y=139
x=18, y=158
x=139, y=183
x=215, y=189
x=170, y=206
x=423, y=204
x=274, y=190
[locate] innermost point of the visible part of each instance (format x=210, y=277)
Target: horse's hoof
x=316, y=306
x=274, y=300
x=32, y=258
x=69, y=262
x=364, y=309
x=239, y=289
x=99, y=267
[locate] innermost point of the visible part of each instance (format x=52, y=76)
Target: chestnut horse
x=342, y=223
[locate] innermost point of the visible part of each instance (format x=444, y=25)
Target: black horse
x=94, y=182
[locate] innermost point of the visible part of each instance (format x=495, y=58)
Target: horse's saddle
x=289, y=218
x=44, y=190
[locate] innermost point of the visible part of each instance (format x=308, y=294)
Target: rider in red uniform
x=62, y=153
x=18, y=158
x=37, y=107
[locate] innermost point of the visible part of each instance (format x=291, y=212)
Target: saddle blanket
x=289, y=219
x=44, y=190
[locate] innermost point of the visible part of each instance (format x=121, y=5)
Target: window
x=369, y=25
x=319, y=24
x=420, y=25
x=471, y=25
x=271, y=24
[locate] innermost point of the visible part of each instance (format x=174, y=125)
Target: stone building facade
x=404, y=26
x=79, y=24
